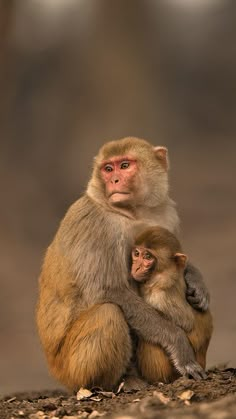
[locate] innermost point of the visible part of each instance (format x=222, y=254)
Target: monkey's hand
x=194, y=370
x=184, y=359
x=197, y=293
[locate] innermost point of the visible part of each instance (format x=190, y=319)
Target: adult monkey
x=86, y=303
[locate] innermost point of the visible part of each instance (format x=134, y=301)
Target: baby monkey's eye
x=148, y=256
x=136, y=252
x=124, y=165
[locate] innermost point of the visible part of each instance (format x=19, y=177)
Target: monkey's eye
x=147, y=256
x=136, y=253
x=108, y=168
x=124, y=165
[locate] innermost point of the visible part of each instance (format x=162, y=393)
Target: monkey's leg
x=201, y=357
x=200, y=335
x=154, y=364
x=96, y=350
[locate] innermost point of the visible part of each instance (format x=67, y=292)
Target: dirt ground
x=214, y=397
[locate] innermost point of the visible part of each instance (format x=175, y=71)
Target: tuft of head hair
x=158, y=238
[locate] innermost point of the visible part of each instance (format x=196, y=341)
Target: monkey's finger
x=196, y=371
x=193, y=300
x=204, y=375
x=190, y=291
x=198, y=375
x=198, y=303
x=203, y=303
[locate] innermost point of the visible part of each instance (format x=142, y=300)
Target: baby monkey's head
x=156, y=249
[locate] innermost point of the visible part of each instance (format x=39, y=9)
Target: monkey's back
x=82, y=261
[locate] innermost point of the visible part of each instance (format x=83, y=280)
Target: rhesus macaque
x=86, y=303
x=158, y=265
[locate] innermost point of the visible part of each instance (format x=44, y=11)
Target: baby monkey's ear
x=161, y=154
x=181, y=260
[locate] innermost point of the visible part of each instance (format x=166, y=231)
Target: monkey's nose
x=115, y=180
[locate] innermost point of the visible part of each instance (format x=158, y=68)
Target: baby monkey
x=158, y=265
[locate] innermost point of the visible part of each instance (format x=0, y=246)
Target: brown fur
x=74, y=333
x=155, y=365
x=165, y=290
x=85, y=278
x=82, y=358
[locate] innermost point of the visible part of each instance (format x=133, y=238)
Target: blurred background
x=76, y=73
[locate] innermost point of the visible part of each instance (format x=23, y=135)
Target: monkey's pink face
x=143, y=263
x=120, y=178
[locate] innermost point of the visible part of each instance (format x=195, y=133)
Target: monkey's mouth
x=119, y=192
x=117, y=196
x=139, y=274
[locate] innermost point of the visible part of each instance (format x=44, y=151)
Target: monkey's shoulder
x=86, y=209
x=80, y=210
x=87, y=225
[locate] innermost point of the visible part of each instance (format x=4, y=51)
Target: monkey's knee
x=97, y=349
x=154, y=364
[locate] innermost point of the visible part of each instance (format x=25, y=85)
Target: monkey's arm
x=152, y=327
x=197, y=293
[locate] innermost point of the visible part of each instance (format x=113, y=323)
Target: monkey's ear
x=180, y=260
x=161, y=154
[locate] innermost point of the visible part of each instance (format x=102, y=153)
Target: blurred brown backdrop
x=75, y=73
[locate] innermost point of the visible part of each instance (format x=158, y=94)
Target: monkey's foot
x=133, y=383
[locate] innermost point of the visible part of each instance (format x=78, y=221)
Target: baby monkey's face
x=143, y=263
